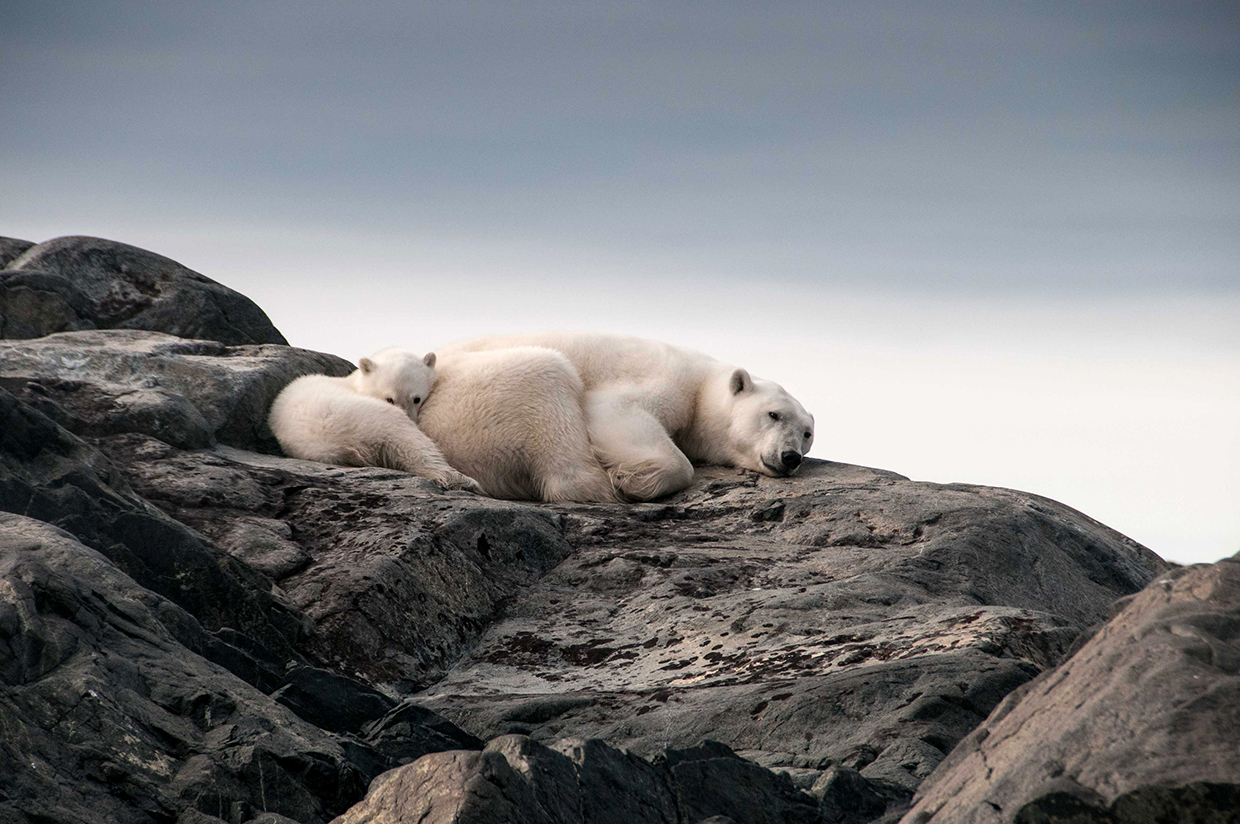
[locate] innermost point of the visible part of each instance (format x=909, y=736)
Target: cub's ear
x=366, y=365
x=741, y=382
x=429, y=360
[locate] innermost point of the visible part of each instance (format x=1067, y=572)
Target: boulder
x=11, y=248
x=120, y=704
x=1140, y=724
x=186, y=393
x=49, y=474
x=515, y=779
x=846, y=797
x=108, y=717
x=711, y=781
x=73, y=283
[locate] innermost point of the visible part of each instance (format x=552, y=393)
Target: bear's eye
x=809, y=435
x=390, y=400
x=417, y=400
x=774, y=415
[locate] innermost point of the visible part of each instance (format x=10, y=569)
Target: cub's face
x=770, y=431
x=397, y=377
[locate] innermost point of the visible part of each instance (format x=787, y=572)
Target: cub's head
x=399, y=377
x=770, y=431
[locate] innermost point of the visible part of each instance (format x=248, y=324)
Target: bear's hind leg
x=562, y=464
x=634, y=448
x=590, y=484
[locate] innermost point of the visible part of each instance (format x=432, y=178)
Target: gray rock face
x=120, y=704
x=108, y=717
x=48, y=474
x=1141, y=724
x=11, y=248
x=515, y=779
x=401, y=577
x=186, y=393
x=73, y=283
x=875, y=659
x=871, y=625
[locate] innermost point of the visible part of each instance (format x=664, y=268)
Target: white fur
x=365, y=419
x=649, y=412
x=512, y=419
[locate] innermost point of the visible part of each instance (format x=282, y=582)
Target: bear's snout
x=790, y=459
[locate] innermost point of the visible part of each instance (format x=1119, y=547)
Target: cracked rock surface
x=871, y=625
x=1143, y=721
x=108, y=716
x=77, y=282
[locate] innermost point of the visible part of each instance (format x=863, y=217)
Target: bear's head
x=769, y=431
x=397, y=376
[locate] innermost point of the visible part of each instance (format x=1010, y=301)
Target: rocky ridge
x=1144, y=719
x=227, y=634
x=73, y=283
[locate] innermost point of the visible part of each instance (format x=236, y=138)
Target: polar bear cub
x=366, y=419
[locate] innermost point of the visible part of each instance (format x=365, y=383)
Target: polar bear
x=365, y=419
x=648, y=410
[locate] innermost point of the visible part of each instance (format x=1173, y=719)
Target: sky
x=987, y=243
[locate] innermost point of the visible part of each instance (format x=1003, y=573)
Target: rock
x=109, y=718
x=449, y=788
x=186, y=393
x=846, y=797
x=395, y=597
x=903, y=764
x=618, y=787
x=268, y=818
x=266, y=545
x=49, y=474
x=36, y=303
x=711, y=781
x=583, y=782
x=1140, y=724
x=1197, y=803
x=155, y=719
x=330, y=701
x=551, y=776
x=408, y=732
x=11, y=248
x=73, y=283
x=872, y=627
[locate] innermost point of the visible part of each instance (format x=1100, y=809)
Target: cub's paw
x=451, y=479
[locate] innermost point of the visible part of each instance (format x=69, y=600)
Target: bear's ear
x=366, y=365
x=741, y=382
x=429, y=360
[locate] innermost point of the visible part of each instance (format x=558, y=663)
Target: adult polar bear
x=579, y=416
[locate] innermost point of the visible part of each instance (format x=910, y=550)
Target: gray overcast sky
x=984, y=242
x=1057, y=145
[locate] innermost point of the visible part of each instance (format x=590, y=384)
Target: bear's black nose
x=791, y=460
